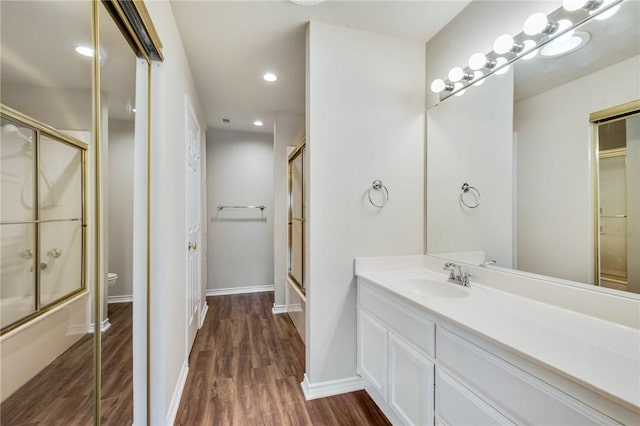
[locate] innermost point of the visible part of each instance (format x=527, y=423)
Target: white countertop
x=600, y=355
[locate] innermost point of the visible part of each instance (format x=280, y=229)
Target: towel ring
x=377, y=185
x=465, y=189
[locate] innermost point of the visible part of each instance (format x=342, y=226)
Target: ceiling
x=612, y=40
x=231, y=44
x=38, y=59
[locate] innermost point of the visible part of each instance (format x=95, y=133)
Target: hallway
x=246, y=366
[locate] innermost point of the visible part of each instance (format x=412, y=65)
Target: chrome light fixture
x=539, y=30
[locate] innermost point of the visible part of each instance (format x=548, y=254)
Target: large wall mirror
x=66, y=176
x=526, y=141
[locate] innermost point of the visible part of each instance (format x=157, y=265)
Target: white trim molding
x=203, y=313
x=177, y=394
x=239, y=290
x=330, y=388
x=126, y=298
x=104, y=326
x=279, y=309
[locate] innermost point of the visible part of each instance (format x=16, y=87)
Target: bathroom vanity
x=506, y=350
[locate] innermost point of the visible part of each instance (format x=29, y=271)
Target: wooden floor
x=62, y=393
x=246, y=366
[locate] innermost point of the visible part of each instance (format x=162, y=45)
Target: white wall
x=554, y=175
x=120, y=204
x=468, y=144
x=240, y=241
x=365, y=121
x=171, y=82
x=288, y=131
x=633, y=203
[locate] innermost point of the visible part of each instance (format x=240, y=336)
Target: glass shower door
x=60, y=213
x=17, y=215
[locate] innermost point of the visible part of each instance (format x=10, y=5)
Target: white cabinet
x=410, y=383
x=420, y=371
x=516, y=394
x=395, y=349
x=372, y=352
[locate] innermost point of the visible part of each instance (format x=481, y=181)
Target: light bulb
x=477, y=61
x=528, y=46
x=456, y=74
x=563, y=24
x=437, y=85
x=499, y=63
x=609, y=13
x=571, y=5
x=476, y=76
x=503, y=44
x=536, y=23
x=459, y=86
x=258, y=123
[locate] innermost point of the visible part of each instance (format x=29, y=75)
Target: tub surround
x=589, y=338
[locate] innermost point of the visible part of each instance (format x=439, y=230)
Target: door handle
x=193, y=246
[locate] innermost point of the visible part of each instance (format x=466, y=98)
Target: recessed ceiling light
x=562, y=47
x=270, y=77
x=85, y=51
x=258, y=123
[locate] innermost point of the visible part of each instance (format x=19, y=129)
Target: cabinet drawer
x=456, y=405
x=410, y=325
x=515, y=393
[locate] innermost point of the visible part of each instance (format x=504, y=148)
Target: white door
x=193, y=203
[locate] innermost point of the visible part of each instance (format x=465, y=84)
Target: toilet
x=111, y=279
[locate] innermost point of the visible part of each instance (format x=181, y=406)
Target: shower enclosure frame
x=619, y=112
x=298, y=151
x=41, y=129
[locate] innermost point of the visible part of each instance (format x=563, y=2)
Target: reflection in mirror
x=46, y=347
x=527, y=145
x=117, y=89
x=619, y=202
x=296, y=217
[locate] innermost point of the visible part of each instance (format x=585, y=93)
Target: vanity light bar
x=539, y=29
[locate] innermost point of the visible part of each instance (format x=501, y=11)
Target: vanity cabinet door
x=411, y=394
x=372, y=353
x=457, y=405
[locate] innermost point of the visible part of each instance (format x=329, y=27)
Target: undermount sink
x=430, y=287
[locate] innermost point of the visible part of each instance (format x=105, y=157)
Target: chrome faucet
x=487, y=263
x=456, y=274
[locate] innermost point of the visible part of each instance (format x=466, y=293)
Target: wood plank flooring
x=62, y=393
x=245, y=369
x=246, y=366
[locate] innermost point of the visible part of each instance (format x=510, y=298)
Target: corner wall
x=172, y=86
x=240, y=241
x=365, y=121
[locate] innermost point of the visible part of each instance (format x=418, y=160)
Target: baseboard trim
x=279, y=309
x=238, y=290
x=203, y=313
x=120, y=299
x=330, y=388
x=294, y=307
x=177, y=394
x=104, y=326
